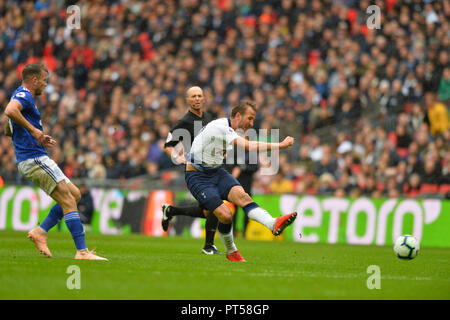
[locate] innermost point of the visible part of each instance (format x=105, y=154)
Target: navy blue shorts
x=210, y=188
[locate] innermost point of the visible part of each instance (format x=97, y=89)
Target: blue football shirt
x=25, y=146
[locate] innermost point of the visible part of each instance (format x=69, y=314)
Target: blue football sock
x=75, y=227
x=56, y=214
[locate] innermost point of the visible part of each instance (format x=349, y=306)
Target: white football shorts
x=43, y=172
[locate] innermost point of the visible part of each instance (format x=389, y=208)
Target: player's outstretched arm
x=258, y=145
x=13, y=111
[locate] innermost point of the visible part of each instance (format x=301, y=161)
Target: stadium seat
x=429, y=188
x=311, y=191
x=444, y=189
x=413, y=193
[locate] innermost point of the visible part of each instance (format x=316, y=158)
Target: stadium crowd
x=368, y=108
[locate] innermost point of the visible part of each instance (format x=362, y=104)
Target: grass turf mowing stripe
x=142, y=267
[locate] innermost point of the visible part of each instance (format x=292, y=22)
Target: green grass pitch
x=173, y=268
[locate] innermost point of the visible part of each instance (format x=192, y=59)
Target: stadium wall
x=361, y=221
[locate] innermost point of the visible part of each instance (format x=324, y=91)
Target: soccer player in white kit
x=210, y=184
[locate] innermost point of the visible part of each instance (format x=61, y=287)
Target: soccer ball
x=406, y=247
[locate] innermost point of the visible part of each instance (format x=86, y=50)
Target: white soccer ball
x=406, y=247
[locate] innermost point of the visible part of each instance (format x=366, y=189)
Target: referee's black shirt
x=184, y=130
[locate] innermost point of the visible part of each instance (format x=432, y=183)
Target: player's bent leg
x=223, y=213
x=76, y=193
x=239, y=197
x=64, y=196
x=54, y=216
x=258, y=214
x=205, y=189
x=225, y=217
x=43, y=172
x=226, y=234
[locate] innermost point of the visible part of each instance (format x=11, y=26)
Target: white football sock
x=262, y=216
x=227, y=239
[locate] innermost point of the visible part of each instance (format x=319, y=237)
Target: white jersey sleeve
x=212, y=143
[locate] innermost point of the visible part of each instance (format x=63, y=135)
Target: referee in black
x=184, y=131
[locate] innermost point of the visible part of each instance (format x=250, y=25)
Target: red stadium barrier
x=444, y=189
x=429, y=188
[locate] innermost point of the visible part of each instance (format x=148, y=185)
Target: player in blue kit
x=29, y=140
x=209, y=183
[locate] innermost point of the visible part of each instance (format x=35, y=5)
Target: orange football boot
x=282, y=222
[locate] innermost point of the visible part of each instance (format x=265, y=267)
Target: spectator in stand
x=437, y=114
x=122, y=169
x=430, y=172
x=417, y=116
x=392, y=187
x=326, y=184
x=315, y=71
x=86, y=206
x=402, y=140
x=325, y=165
x=281, y=185
x=339, y=192
x=344, y=183
x=371, y=186
x=304, y=162
x=412, y=187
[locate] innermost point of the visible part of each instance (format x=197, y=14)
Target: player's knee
x=224, y=214
x=227, y=218
x=66, y=198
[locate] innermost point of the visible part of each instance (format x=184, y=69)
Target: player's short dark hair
x=33, y=69
x=242, y=106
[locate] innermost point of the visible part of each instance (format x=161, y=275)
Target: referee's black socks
x=195, y=212
x=210, y=229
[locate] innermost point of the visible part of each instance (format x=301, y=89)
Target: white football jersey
x=213, y=142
